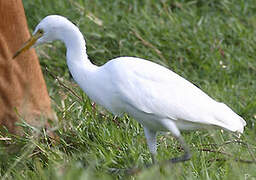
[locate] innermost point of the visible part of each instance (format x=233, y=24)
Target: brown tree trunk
x=23, y=91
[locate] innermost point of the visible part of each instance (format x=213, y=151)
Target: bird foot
x=183, y=158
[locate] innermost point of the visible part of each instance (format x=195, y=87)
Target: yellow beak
x=28, y=44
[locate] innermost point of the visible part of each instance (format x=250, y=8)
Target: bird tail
x=228, y=119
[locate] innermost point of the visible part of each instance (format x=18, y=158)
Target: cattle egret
x=156, y=97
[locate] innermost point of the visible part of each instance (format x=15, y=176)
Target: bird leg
x=153, y=157
x=171, y=126
x=151, y=141
x=187, y=154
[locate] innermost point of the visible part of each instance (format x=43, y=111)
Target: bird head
x=48, y=30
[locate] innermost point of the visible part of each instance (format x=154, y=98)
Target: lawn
x=211, y=43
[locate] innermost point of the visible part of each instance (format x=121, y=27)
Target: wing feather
x=154, y=89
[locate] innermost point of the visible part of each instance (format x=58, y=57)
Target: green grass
x=210, y=43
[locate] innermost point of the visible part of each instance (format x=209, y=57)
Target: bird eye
x=40, y=31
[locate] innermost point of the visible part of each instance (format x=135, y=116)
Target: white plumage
x=155, y=96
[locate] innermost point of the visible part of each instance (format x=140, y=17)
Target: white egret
x=156, y=97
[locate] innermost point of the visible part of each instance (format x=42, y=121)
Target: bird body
x=151, y=93
x=156, y=97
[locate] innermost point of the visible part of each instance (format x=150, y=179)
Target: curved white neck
x=77, y=59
